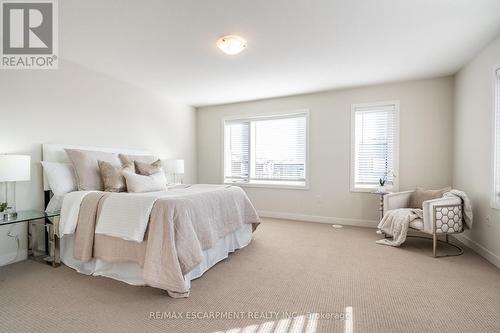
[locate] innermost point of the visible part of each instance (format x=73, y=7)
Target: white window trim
x=269, y=115
x=493, y=203
x=395, y=186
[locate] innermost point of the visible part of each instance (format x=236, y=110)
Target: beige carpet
x=291, y=268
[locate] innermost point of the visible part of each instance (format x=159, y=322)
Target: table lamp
x=13, y=168
x=174, y=167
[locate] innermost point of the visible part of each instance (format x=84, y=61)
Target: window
x=266, y=151
x=496, y=144
x=374, y=145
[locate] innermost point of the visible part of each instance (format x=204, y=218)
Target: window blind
x=266, y=149
x=237, y=150
x=280, y=149
x=374, y=137
x=497, y=138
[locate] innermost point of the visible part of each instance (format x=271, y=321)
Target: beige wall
x=425, y=148
x=73, y=105
x=473, y=148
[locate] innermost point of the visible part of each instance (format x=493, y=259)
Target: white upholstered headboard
x=55, y=153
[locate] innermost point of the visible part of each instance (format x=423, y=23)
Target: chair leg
x=435, y=241
x=434, y=245
x=447, y=238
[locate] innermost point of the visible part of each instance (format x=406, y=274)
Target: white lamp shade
x=174, y=166
x=15, y=168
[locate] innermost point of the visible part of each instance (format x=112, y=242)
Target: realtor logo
x=29, y=34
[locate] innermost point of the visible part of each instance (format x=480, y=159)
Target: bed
x=163, y=239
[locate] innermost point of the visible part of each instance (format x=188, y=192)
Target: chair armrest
x=428, y=208
x=396, y=200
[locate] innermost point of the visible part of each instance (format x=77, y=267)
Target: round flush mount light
x=231, y=44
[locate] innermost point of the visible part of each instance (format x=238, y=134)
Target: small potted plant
x=383, y=181
x=3, y=207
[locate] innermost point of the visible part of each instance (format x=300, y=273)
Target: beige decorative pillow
x=148, y=169
x=126, y=159
x=86, y=167
x=420, y=195
x=140, y=184
x=112, y=177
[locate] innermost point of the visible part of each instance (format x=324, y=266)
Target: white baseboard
x=479, y=249
x=12, y=257
x=319, y=219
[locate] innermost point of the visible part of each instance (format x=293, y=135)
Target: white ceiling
x=294, y=46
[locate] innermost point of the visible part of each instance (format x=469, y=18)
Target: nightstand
x=47, y=221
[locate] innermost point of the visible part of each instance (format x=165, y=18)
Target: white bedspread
x=69, y=212
x=126, y=215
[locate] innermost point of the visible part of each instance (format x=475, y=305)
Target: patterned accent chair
x=441, y=216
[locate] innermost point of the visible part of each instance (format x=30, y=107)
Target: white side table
x=381, y=194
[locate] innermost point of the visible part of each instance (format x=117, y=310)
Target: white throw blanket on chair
x=395, y=223
x=467, y=205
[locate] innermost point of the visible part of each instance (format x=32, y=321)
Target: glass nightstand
x=40, y=219
x=27, y=216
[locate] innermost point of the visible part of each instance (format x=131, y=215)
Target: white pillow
x=139, y=183
x=61, y=177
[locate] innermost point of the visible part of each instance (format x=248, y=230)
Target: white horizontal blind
x=375, y=131
x=237, y=150
x=266, y=149
x=497, y=138
x=280, y=149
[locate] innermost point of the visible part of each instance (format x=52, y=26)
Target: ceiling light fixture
x=231, y=44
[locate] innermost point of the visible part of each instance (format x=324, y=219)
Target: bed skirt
x=131, y=273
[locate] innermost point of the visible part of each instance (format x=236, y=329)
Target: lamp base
x=10, y=216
